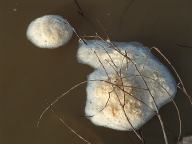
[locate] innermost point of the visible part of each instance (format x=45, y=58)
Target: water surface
x=32, y=77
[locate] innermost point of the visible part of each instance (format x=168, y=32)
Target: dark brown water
x=32, y=77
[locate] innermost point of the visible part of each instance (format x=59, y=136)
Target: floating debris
x=127, y=87
x=49, y=31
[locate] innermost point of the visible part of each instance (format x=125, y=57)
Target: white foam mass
x=122, y=101
x=49, y=31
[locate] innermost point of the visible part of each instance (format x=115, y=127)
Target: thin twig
x=80, y=10
x=156, y=107
x=184, y=45
x=70, y=128
x=57, y=99
x=177, y=75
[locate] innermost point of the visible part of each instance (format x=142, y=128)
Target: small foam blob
x=117, y=95
x=49, y=31
x=186, y=140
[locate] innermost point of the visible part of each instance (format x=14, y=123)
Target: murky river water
x=32, y=77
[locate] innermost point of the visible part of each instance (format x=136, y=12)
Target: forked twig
x=156, y=107
x=57, y=99
x=121, y=87
x=183, y=88
x=175, y=105
x=122, y=105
